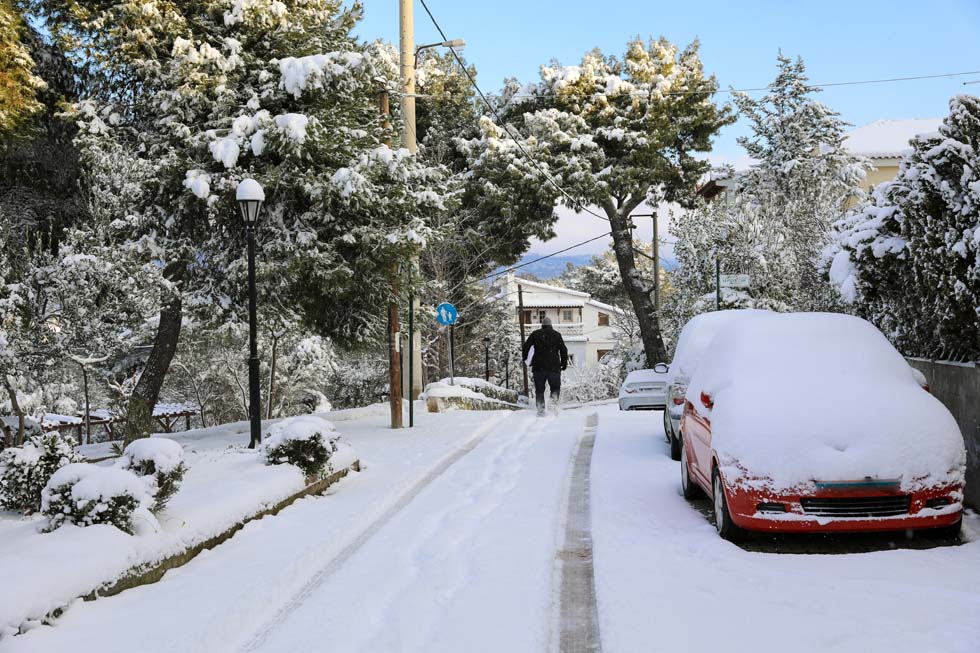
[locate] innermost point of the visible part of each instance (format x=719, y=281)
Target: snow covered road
x=454, y=539
x=465, y=567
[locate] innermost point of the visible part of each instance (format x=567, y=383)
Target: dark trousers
x=553, y=379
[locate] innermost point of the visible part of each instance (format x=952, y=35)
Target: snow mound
x=446, y=390
x=816, y=396
x=165, y=454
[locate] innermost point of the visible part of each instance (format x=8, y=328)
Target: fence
x=958, y=386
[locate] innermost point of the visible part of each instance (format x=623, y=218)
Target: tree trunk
x=139, y=416
x=18, y=438
x=639, y=291
x=272, y=374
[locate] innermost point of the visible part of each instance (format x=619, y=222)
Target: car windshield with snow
x=814, y=422
x=694, y=339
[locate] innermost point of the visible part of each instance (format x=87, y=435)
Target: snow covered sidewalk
x=667, y=582
x=224, y=485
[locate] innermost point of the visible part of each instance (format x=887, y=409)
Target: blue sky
x=839, y=41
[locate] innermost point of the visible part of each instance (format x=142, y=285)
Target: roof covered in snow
x=886, y=139
x=541, y=295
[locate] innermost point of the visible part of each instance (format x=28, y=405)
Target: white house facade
x=589, y=328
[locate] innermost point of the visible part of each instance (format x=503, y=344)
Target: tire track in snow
x=321, y=576
x=438, y=555
x=578, y=614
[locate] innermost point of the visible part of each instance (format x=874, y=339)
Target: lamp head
x=250, y=197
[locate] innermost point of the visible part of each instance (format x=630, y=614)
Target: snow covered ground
x=447, y=542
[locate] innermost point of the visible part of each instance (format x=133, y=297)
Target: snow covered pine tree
x=614, y=134
x=908, y=258
x=216, y=91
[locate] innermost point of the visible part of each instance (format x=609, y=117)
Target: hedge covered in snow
x=85, y=494
x=307, y=442
x=25, y=470
x=159, y=458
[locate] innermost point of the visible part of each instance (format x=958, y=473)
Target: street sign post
x=446, y=315
x=737, y=281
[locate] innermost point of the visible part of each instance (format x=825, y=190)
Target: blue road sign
x=446, y=314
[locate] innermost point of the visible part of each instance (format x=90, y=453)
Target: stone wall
x=958, y=386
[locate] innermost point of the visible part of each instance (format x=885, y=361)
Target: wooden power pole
x=520, y=309
x=394, y=327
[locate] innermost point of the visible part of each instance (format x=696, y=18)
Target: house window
x=566, y=315
x=527, y=317
x=542, y=315
x=601, y=353
x=603, y=319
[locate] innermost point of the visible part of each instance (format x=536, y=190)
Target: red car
x=813, y=422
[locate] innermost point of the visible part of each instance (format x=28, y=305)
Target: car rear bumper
x=747, y=513
x=642, y=403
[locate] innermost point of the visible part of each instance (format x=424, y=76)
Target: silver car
x=644, y=389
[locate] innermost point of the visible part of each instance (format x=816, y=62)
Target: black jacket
x=550, y=353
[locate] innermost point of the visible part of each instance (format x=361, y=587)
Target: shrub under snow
x=307, y=442
x=159, y=458
x=25, y=470
x=85, y=494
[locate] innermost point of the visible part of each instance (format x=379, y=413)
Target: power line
x=861, y=82
x=575, y=203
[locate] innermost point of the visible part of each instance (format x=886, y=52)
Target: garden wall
x=958, y=386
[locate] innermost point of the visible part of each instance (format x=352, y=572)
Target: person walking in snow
x=548, y=359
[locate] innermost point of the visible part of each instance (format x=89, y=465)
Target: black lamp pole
x=486, y=347
x=254, y=397
x=250, y=197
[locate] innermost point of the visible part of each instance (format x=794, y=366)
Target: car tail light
x=707, y=401
x=677, y=393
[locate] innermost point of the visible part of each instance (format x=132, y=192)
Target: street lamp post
x=486, y=348
x=722, y=237
x=250, y=197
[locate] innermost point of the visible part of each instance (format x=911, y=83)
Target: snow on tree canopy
x=801, y=397
x=317, y=70
x=165, y=454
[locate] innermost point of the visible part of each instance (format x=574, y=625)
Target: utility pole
x=406, y=23
x=717, y=281
x=520, y=309
x=394, y=337
x=656, y=268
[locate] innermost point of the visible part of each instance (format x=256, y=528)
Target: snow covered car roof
x=818, y=396
x=698, y=333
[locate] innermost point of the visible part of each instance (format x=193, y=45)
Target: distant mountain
x=550, y=268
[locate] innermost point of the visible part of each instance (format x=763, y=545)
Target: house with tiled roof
x=590, y=328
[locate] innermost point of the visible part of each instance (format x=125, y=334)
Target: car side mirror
x=661, y=368
x=707, y=401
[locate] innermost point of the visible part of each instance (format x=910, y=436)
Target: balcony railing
x=569, y=328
